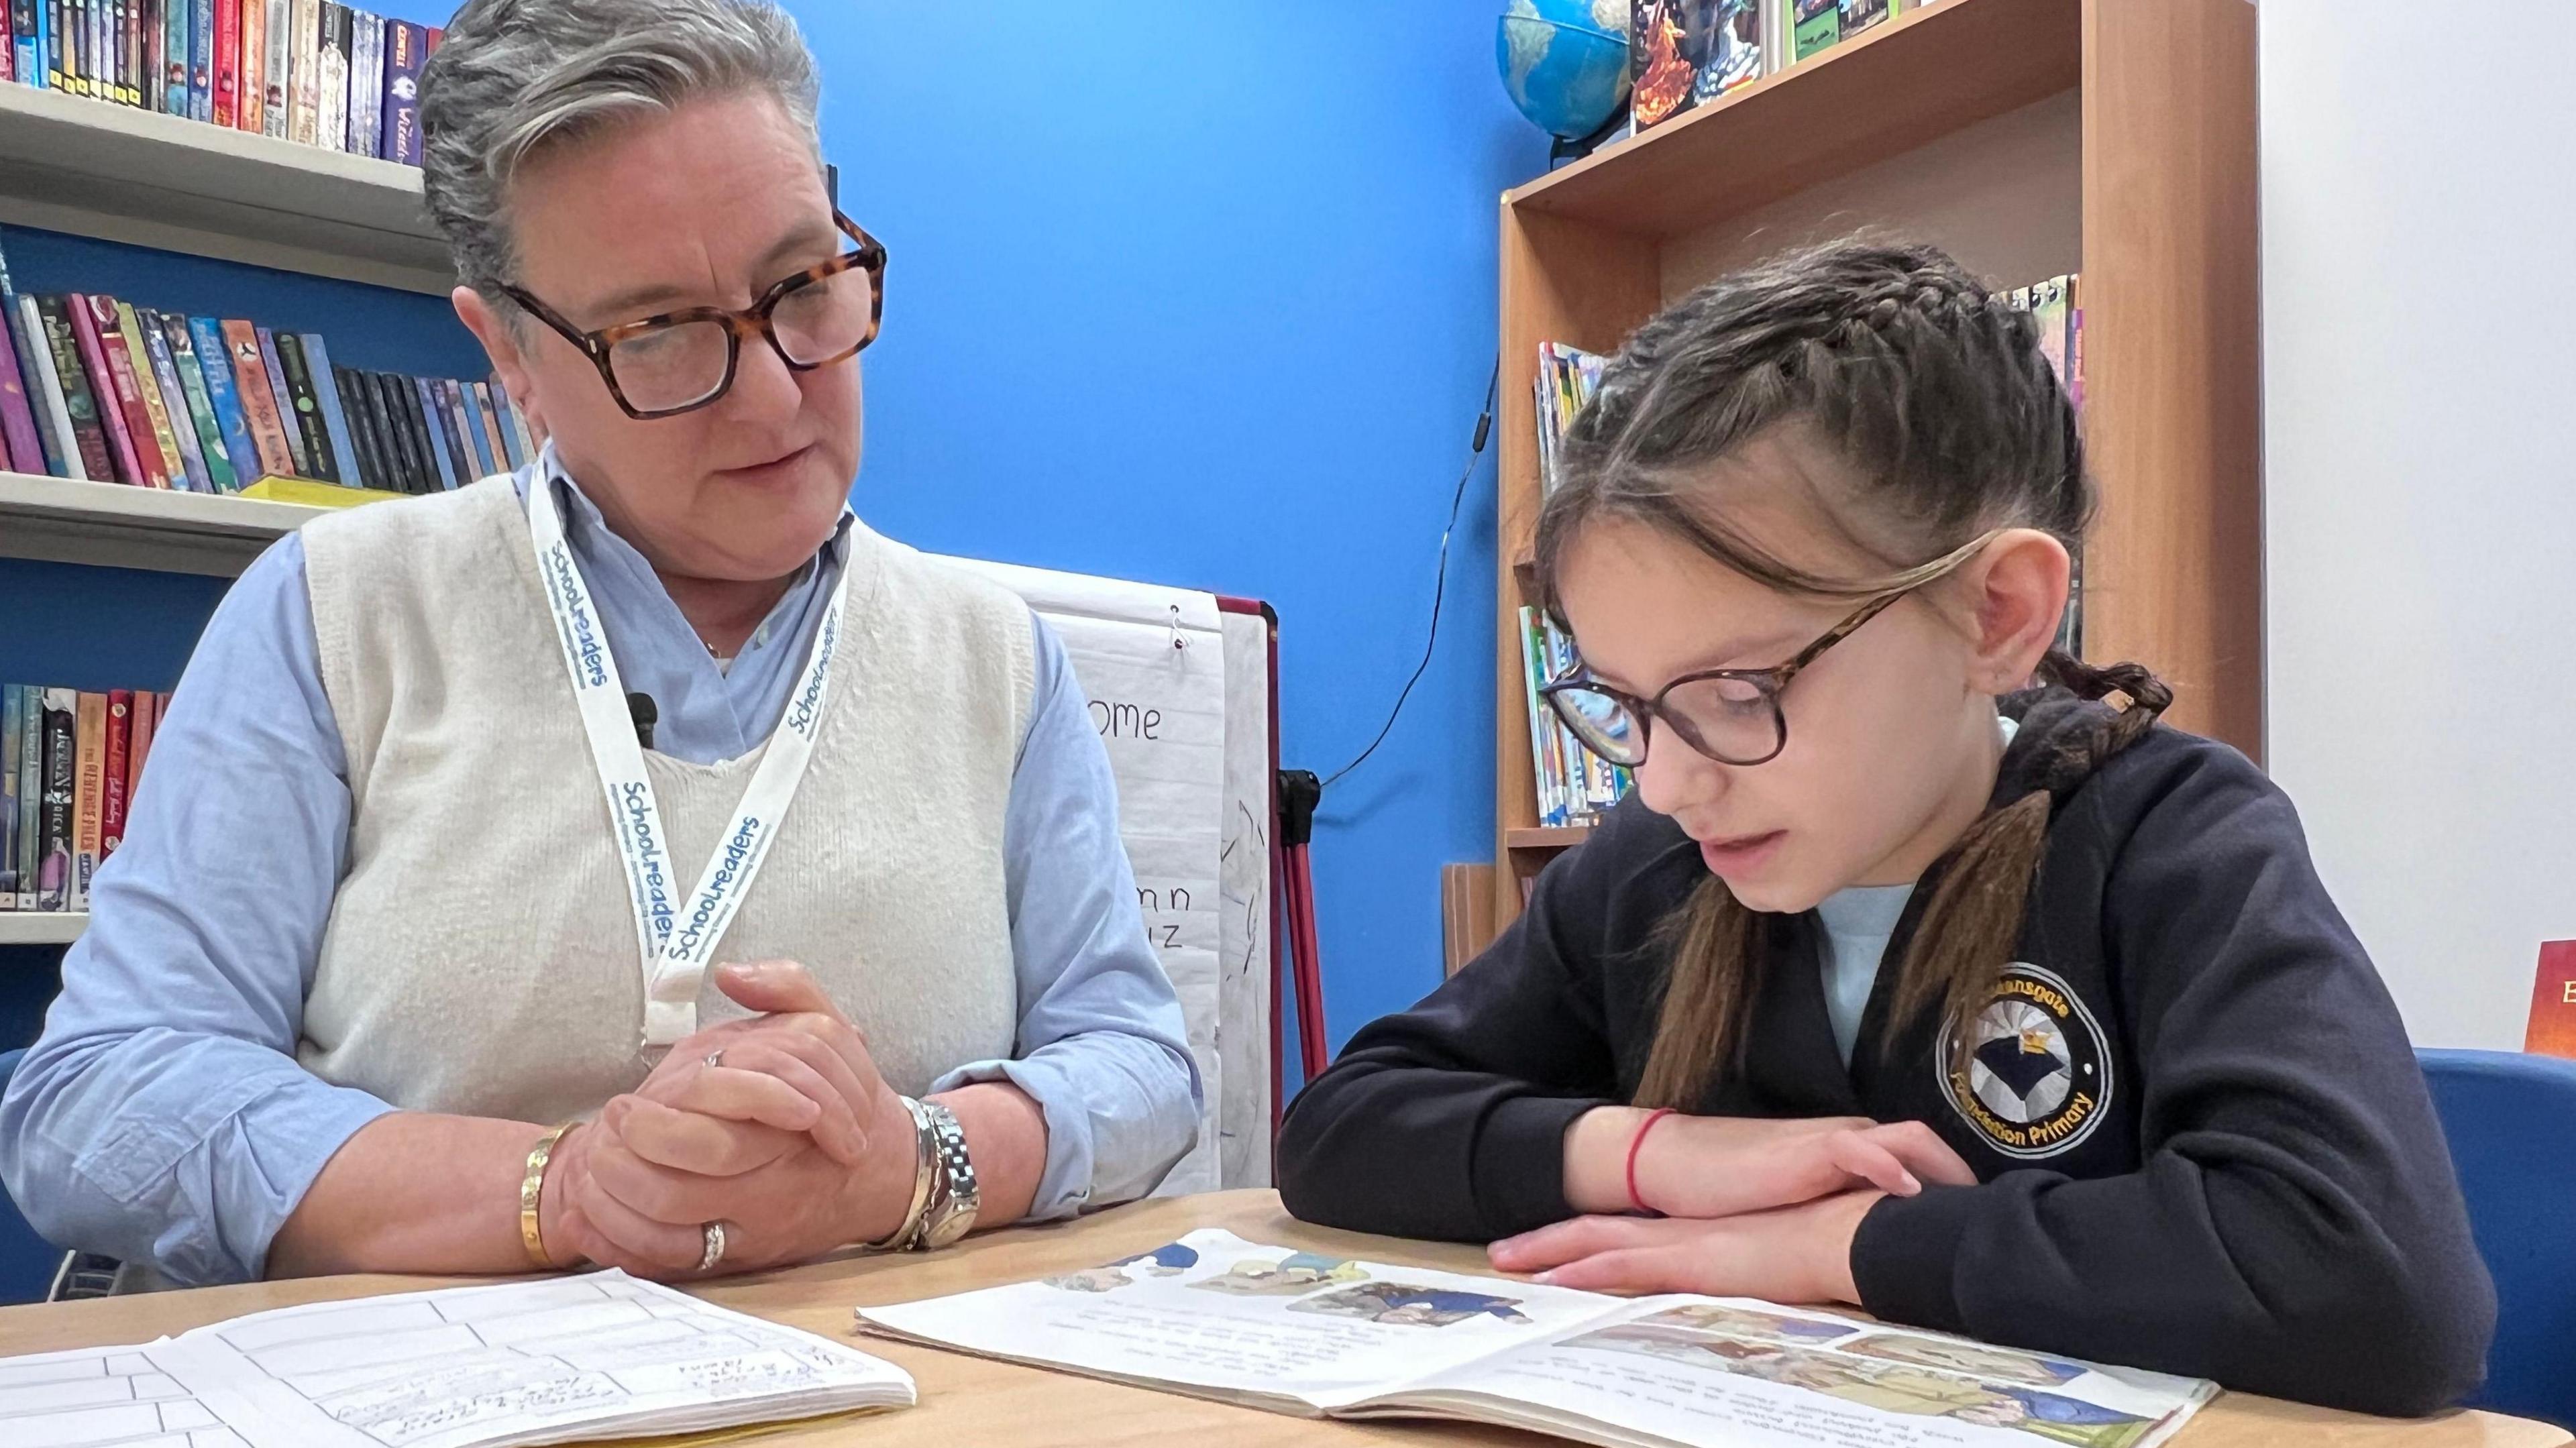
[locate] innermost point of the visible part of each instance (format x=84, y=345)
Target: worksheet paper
x=1302, y=1332
x=597, y=1356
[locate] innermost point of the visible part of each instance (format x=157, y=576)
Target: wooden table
x=971, y=1403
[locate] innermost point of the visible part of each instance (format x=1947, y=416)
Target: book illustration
x=1887, y=1387
x=1818, y=25
x=1404, y=1304
x=1950, y=1355
x=1169, y=1260
x=1721, y=1320
x=1664, y=73
x=1725, y=46
x=1294, y=1275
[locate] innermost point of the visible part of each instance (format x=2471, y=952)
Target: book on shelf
x=304, y=86
x=277, y=68
x=18, y=437
x=200, y=371
x=1318, y=1336
x=73, y=760
x=250, y=111
x=331, y=118
x=2551, y=1030
x=2056, y=306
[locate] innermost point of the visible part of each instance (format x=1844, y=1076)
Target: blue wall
x=1204, y=297
x=1207, y=296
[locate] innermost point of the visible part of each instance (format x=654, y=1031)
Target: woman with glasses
x=634, y=859
x=1906, y=980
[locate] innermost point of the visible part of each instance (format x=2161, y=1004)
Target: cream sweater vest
x=480, y=956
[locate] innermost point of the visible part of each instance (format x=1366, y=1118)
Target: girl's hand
x=1790, y=1255
x=1709, y=1166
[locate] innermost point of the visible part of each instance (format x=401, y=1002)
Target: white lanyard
x=675, y=945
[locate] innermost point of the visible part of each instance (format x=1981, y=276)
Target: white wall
x=2419, y=317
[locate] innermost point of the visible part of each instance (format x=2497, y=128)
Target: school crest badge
x=2039, y=1068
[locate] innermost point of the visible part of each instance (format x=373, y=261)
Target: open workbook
x=559, y=1361
x=1219, y=1317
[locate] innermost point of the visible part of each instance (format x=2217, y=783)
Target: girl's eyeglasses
x=681, y=361
x=1732, y=716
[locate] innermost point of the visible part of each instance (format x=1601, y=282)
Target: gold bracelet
x=530, y=1187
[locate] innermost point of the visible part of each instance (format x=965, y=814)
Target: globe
x=1565, y=62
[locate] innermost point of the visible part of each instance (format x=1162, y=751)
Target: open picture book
x=1218, y=1317
x=554, y=1361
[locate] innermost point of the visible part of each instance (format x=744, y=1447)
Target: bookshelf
x=121, y=174
x=42, y=927
x=2031, y=138
x=113, y=525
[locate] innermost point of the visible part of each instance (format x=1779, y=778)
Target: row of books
x=1567, y=378
x=70, y=764
x=1683, y=53
x=2058, y=306
x=313, y=71
x=94, y=388
x=1575, y=786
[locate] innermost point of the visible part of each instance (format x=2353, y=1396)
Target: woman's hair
x=514, y=78
x=1933, y=396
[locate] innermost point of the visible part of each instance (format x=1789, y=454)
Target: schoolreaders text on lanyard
x=674, y=941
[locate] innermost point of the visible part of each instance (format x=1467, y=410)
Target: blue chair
x=27, y=1262
x=2512, y=1124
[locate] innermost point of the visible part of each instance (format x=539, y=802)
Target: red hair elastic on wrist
x=1635, y=1143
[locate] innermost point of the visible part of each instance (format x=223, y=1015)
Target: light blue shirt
x=162, y=1117
x=1858, y=924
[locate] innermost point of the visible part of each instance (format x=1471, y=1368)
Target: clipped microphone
x=640, y=706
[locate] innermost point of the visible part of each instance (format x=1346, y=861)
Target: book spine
x=174, y=396
x=17, y=412
x=8, y=71
x=45, y=389
x=263, y=424
x=26, y=43
x=514, y=427
x=331, y=114
x=156, y=406
x=403, y=473
x=315, y=439
x=139, y=452
x=30, y=765
x=486, y=461
x=111, y=786
x=176, y=27
x=305, y=100
x=451, y=417
x=102, y=385
x=196, y=366
x=277, y=69
x=201, y=59
x=54, y=845
x=285, y=400
x=404, y=42
x=88, y=795
x=400, y=404
x=13, y=729
x=134, y=53
x=71, y=25
x=499, y=450
x=79, y=402
x=251, y=107
x=105, y=40
x=147, y=722
x=149, y=45
x=340, y=447
x=362, y=439
x=367, y=126
x=424, y=412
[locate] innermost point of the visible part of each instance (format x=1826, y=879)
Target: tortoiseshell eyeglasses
x=1731, y=715
x=681, y=361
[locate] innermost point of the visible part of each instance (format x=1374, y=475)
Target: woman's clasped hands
x=776, y=1128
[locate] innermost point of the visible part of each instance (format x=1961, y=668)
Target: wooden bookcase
x=2031, y=138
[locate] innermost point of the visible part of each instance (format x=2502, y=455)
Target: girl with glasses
x=1917, y=975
